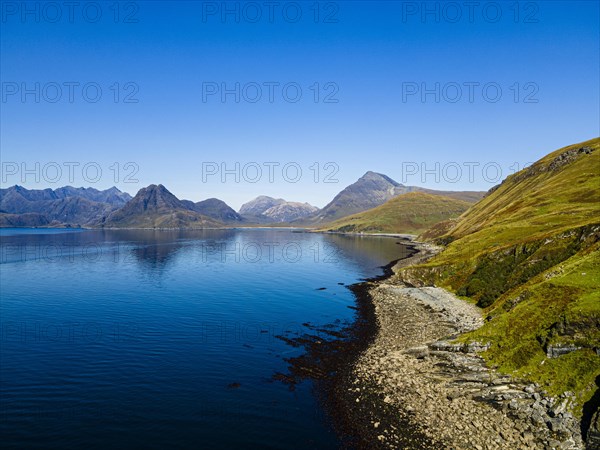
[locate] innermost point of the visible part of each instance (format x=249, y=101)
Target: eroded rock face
x=556, y=350
x=568, y=336
x=568, y=157
x=471, y=347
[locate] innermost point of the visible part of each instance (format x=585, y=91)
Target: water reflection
x=153, y=250
x=368, y=251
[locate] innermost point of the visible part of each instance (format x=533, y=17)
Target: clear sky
x=393, y=87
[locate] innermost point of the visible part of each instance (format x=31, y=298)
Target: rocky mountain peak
x=259, y=205
x=154, y=198
x=379, y=178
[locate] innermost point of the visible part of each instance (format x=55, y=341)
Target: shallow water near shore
x=169, y=338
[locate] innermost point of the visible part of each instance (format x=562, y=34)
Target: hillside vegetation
x=529, y=254
x=409, y=213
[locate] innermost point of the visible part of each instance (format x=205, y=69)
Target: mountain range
x=156, y=207
x=59, y=207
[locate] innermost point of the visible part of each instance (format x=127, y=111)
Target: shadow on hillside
x=589, y=408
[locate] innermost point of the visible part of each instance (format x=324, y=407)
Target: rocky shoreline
x=411, y=388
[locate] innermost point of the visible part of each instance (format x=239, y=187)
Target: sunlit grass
x=529, y=253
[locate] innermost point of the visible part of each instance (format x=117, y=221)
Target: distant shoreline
x=409, y=237
x=197, y=229
x=406, y=236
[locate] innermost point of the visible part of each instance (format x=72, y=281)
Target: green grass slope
x=409, y=213
x=558, y=192
x=529, y=254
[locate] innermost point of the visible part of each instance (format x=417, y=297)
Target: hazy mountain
x=76, y=210
x=189, y=204
x=216, y=209
x=290, y=211
x=66, y=205
x=14, y=194
x=259, y=205
x=265, y=209
x=155, y=207
x=374, y=189
x=112, y=196
x=12, y=197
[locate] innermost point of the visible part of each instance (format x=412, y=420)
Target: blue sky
x=371, y=61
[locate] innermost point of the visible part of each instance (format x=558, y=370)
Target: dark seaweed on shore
x=329, y=354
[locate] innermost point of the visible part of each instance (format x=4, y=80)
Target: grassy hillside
x=408, y=213
x=529, y=254
x=467, y=196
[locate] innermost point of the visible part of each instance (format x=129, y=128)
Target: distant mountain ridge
x=89, y=207
x=112, y=196
x=290, y=211
x=259, y=205
x=264, y=209
x=66, y=205
x=216, y=209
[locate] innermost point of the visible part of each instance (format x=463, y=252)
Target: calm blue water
x=167, y=339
